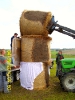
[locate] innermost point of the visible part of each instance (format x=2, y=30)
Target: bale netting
x=34, y=22
x=16, y=51
x=42, y=80
x=35, y=48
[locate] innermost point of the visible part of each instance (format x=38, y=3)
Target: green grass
x=69, y=56
x=53, y=92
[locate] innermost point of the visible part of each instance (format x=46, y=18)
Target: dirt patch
x=68, y=52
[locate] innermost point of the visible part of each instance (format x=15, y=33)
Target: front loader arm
x=53, y=26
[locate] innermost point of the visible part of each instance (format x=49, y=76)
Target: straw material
x=35, y=48
x=42, y=80
x=16, y=50
x=34, y=22
x=48, y=63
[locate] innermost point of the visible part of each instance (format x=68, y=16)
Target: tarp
x=28, y=72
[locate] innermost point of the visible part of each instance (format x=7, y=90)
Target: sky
x=11, y=10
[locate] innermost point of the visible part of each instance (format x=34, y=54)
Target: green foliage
x=8, y=55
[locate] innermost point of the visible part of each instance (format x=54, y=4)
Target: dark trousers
x=3, y=82
x=58, y=68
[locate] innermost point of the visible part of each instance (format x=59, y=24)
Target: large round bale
x=34, y=22
x=42, y=80
x=35, y=48
x=16, y=51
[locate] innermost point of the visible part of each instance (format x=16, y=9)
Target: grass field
x=53, y=92
x=66, y=53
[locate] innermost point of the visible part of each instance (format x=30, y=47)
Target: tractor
x=66, y=74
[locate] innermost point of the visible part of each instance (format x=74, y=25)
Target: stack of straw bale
x=35, y=48
x=35, y=43
x=16, y=50
x=34, y=22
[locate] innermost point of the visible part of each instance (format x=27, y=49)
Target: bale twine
x=16, y=50
x=35, y=48
x=42, y=80
x=34, y=22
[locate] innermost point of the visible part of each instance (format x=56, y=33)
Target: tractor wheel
x=68, y=82
x=16, y=75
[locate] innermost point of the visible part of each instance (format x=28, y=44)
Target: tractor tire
x=16, y=75
x=68, y=82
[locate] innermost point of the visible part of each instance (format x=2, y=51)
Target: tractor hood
x=68, y=63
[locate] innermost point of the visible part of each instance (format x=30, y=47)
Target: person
x=3, y=64
x=3, y=71
x=59, y=56
x=14, y=36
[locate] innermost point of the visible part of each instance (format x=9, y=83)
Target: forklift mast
x=53, y=26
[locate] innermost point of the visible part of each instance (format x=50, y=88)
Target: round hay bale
x=16, y=51
x=35, y=48
x=42, y=80
x=34, y=22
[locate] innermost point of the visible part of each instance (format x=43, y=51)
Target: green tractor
x=66, y=74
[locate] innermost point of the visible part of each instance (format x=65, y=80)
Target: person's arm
x=6, y=63
x=12, y=65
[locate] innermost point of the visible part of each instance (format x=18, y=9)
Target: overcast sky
x=10, y=12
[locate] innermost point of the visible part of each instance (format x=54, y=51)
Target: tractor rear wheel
x=68, y=82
